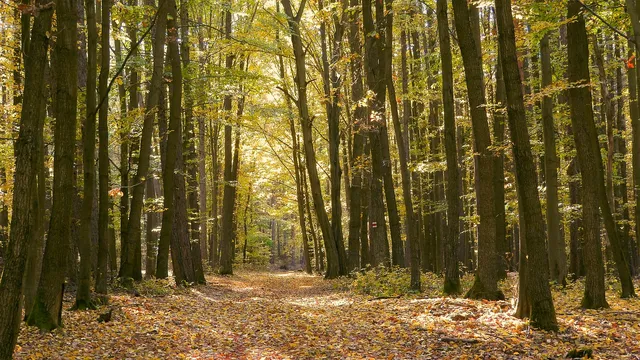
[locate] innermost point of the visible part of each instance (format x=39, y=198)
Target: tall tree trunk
x=542, y=311
x=584, y=132
x=332, y=84
x=142, y=174
x=557, y=255
x=359, y=119
x=486, y=281
x=103, y=155
x=635, y=117
x=83, y=294
x=191, y=157
x=47, y=311
x=410, y=224
x=452, y=275
x=334, y=268
x=499, y=121
x=634, y=13
x=374, y=59
x=174, y=218
x=228, y=205
x=26, y=149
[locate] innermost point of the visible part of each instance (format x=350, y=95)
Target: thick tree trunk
x=486, y=281
x=542, y=310
x=584, y=132
x=26, y=149
x=452, y=275
x=47, y=311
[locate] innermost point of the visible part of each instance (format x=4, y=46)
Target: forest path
x=291, y=315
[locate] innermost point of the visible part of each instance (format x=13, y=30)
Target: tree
x=47, y=311
x=333, y=259
x=486, y=281
x=83, y=295
x=142, y=173
x=21, y=235
x=542, y=313
x=584, y=132
x=452, y=276
x=557, y=255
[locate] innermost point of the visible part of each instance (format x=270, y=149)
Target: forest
x=306, y=179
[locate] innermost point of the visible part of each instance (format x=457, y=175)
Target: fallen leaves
x=296, y=316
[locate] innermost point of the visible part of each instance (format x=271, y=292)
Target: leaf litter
x=291, y=315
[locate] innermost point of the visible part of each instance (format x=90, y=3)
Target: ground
x=290, y=315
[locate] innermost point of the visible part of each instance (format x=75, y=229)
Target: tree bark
x=542, y=310
x=557, y=255
x=359, y=119
x=486, y=281
x=47, y=311
x=334, y=268
x=83, y=294
x=26, y=149
x=588, y=151
x=142, y=174
x=452, y=275
x=410, y=223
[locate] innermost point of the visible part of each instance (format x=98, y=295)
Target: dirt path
x=294, y=316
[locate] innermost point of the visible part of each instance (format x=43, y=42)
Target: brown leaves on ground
x=295, y=316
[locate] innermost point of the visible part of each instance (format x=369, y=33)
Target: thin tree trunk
x=226, y=246
x=83, y=294
x=410, y=224
x=103, y=156
x=452, y=275
x=634, y=13
x=557, y=255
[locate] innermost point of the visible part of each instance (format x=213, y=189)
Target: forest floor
x=290, y=315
